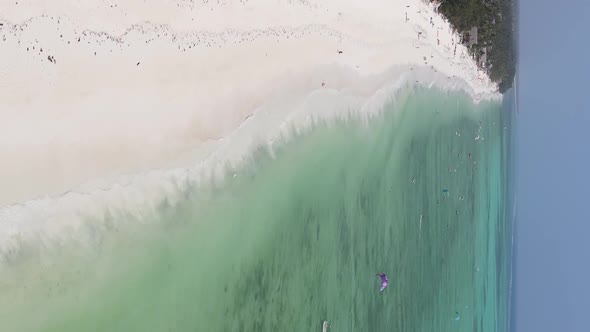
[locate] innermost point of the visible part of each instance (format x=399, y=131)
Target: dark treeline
x=495, y=22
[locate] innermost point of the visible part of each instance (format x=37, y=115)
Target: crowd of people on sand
x=187, y=41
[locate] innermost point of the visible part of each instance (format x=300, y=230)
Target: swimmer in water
x=384, y=281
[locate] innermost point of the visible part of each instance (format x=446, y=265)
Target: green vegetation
x=495, y=49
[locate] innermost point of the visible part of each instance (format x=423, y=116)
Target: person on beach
x=384, y=281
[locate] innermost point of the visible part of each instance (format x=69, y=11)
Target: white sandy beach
x=95, y=89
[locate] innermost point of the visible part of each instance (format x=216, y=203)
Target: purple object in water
x=384, y=281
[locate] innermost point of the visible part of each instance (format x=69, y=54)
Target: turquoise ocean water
x=297, y=238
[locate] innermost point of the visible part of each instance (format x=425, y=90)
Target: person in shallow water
x=384, y=281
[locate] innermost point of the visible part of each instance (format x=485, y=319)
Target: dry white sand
x=93, y=89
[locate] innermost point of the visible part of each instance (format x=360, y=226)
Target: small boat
x=325, y=326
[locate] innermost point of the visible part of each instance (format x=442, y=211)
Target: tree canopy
x=496, y=26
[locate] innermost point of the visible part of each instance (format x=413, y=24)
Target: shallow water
x=292, y=240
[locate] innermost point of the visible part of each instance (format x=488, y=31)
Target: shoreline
x=349, y=205
x=177, y=83
x=138, y=195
